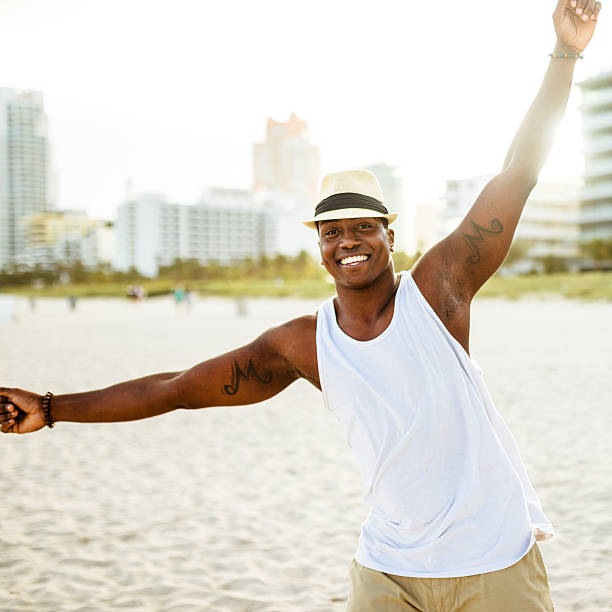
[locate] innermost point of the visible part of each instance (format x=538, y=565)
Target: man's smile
x=353, y=260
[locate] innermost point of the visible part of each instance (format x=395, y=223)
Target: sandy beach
x=258, y=508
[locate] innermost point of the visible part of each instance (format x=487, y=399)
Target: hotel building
x=223, y=227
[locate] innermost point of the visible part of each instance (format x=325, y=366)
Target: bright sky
x=172, y=93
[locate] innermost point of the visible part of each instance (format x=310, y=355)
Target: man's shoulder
x=296, y=331
x=295, y=341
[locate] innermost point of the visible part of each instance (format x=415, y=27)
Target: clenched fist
x=20, y=411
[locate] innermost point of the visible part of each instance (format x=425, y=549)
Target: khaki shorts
x=522, y=587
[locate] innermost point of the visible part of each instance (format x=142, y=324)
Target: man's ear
x=391, y=237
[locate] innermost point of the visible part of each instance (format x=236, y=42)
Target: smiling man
x=453, y=518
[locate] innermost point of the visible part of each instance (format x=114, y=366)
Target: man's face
x=355, y=251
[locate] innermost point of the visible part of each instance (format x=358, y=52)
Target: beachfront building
x=24, y=168
x=139, y=229
x=286, y=181
x=596, y=207
x=66, y=238
x=223, y=227
x=98, y=245
x=549, y=226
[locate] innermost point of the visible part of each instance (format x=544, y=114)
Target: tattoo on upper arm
x=238, y=375
x=480, y=233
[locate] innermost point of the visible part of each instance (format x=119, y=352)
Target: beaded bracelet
x=567, y=55
x=46, y=409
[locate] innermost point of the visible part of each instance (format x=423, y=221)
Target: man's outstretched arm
x=472, y=253
x=247, y=375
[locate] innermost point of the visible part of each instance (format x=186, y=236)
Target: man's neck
x=367, y=304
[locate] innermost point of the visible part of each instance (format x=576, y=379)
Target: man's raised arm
x=473, y=252
x=247, y=375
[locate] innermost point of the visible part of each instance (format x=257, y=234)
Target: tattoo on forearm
x=480, y=234
x=238, y=375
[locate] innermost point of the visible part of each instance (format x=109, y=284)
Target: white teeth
x=353, y=259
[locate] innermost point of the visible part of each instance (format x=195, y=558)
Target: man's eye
x=331, y=232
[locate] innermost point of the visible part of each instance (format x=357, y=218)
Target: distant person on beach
x=189, y=297
x=136, y=293
x=453, y=517
x=179, y=295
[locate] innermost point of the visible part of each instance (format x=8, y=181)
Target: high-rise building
x=596, y=205
x=223, y=227
x=286, y=162
x=24, y=168
x=286, y=180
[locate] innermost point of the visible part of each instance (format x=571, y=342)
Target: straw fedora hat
x=349, y=195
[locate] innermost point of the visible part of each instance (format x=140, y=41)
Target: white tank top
x=447, y=490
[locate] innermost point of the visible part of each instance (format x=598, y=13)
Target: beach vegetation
x=599, y=252
x=298, y=276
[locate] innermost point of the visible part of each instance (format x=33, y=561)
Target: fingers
x=586, y=9
x=8, y=416
x=8, y=427
x=577, y=6
x=580, y=6
x=5, y=406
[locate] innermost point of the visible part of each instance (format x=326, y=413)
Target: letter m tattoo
x=238, y=375
x=479, y=235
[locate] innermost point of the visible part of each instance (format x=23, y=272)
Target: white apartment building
x=549, y=225
x=596, y=207
x=139, y=231
x=223, y=227
x=24, y=168
x=98, y=245
x=550, y=222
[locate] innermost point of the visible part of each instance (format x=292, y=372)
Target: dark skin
x=448, y=275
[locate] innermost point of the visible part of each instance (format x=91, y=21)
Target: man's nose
x=349, y=240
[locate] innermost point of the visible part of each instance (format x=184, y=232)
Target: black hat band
x=340, y=201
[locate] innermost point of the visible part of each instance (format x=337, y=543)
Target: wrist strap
x=46, y=409
x=567, y=55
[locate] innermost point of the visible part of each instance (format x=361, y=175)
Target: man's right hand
x=20, y=411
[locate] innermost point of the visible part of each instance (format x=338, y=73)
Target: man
x=453, y=518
